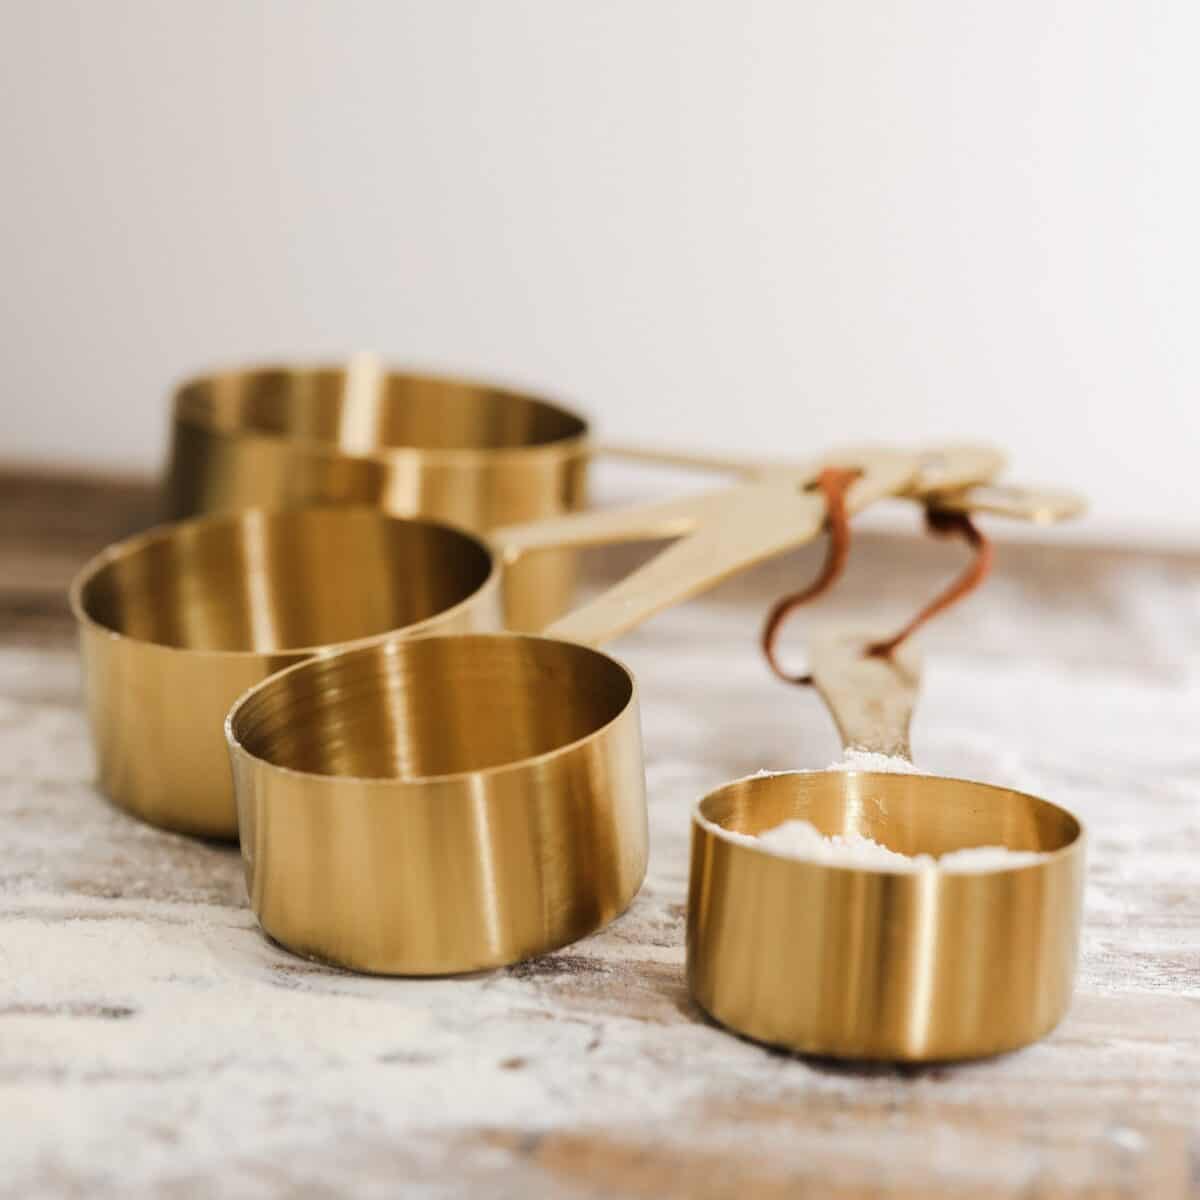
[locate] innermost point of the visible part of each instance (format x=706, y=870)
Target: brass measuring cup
x=444, y=804
x=177, y=622
x=468, y=453
x=872, y=963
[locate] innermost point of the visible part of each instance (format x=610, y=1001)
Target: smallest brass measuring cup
x=882, y=964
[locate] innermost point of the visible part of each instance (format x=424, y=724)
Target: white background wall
x=756, y=226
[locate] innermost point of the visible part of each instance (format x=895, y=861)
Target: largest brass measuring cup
x=468, y=453
x=878, y=963
x=446, y=804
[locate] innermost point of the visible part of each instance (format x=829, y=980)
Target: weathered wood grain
x=153, y=1043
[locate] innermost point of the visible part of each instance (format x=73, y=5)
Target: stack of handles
x=772, y=509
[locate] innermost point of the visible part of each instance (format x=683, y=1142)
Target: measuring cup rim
x=702, y=821
x=236, y=746
x=165, y=530
x=191, y=409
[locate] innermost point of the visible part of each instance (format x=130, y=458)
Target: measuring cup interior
x=269, y=581
x=431, y=707
x=359, y=412
x=909, y=813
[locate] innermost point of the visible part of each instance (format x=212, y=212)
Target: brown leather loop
x=946, y=524
x=833, y=483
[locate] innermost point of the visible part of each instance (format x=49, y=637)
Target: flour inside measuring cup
x=802, y=839
x=868, y=760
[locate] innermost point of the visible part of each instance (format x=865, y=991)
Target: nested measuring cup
x=877, y=963
x=468, y=453
x=176, y=623
x=444, y=804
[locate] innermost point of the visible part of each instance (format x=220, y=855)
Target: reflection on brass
x=471, y=454
x=176, y=623
x=441, y=804
x=876, y=964
x=450, y=803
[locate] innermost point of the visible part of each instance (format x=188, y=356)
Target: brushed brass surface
x=881, y=964
x=468, y=453
x=442, y=804
x=731, y=528
x=176, y=623
x=450, y=803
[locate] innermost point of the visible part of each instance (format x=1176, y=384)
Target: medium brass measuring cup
x=177, y=622
x=445, y=804
x=882, y=964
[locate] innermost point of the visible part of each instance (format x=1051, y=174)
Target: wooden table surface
x=153, y=1043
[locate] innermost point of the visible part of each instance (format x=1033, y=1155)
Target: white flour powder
x=868, y=760
x=802, y=839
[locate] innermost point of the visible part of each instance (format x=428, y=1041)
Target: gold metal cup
x=471, y=454
x=177, y=622
x=443, y=804
x=877, y=964
x=446, y=804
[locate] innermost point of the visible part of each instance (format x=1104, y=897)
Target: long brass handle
x=971, y=462
x=602, y=527
x=752, y=521
x=871, y=699
x=758, y=523
x=727, y=530
x=692, y=461
x=943, y=470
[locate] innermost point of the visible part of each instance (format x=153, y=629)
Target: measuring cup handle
x=603, y=527
x=724, y=531
x=749, y=523
x=871, y=699
x=755, y=524
x=945, y=467
x=723, y=464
